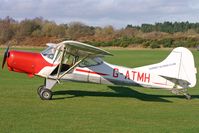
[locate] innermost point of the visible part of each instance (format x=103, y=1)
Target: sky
x=118, y=13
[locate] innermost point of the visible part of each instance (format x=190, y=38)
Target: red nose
x=26, y=62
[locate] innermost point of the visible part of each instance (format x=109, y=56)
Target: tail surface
x=178, y=67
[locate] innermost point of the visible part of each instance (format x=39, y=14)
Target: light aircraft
x=80, y=62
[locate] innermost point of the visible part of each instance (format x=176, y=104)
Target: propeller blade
x=5, y=57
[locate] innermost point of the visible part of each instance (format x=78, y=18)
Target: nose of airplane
x=20, y=61
x=26, y=62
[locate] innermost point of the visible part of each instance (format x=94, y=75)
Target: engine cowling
x=26, y=62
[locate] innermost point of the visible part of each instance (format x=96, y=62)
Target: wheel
x=188, y=96
x=45, y=94
x=40, y=89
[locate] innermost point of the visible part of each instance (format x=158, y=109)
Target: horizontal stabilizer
x=181, y=82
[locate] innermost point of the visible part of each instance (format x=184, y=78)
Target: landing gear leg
x=44, y=91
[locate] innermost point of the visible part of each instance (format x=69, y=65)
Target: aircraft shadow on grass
x=122, y=92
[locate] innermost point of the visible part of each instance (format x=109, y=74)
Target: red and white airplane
x=76, y=61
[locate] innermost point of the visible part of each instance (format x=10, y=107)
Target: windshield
x=49, y=52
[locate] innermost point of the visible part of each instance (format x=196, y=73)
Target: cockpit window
x=90, y=62
x=49, y=52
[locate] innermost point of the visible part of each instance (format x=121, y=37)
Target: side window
x=89, y=62
x=70, y=59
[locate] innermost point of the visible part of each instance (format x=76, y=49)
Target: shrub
x=154, y=44
x=168, y=42
x=146, y=44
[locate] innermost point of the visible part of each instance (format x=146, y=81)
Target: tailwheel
x=181, y=91
x=188, y=96
x=45, y=94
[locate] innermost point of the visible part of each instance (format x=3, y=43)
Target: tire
x=46, y=94
x=188, y=96
x=40, y=89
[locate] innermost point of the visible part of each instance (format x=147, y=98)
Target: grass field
x=91, y=108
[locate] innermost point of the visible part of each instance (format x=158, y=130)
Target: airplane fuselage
x=103, y=73
x=106, y=73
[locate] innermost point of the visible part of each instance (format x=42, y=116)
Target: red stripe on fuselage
x=91, y=72
x=162, y=84
x=159, y=83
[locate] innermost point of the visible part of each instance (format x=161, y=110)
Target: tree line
x=168, y=27
x=38, y=31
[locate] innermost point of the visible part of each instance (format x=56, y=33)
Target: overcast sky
x=118, y=13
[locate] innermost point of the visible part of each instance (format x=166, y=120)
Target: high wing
x=82, y=49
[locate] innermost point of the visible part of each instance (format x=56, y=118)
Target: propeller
x=5, y=56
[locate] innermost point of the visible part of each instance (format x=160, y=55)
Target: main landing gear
x=44, y=93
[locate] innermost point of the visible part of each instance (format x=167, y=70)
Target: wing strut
x=60, y=65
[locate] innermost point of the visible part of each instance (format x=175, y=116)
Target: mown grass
x=84, y=108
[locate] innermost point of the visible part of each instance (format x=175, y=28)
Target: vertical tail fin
x=187, y=70
x=179, y=65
